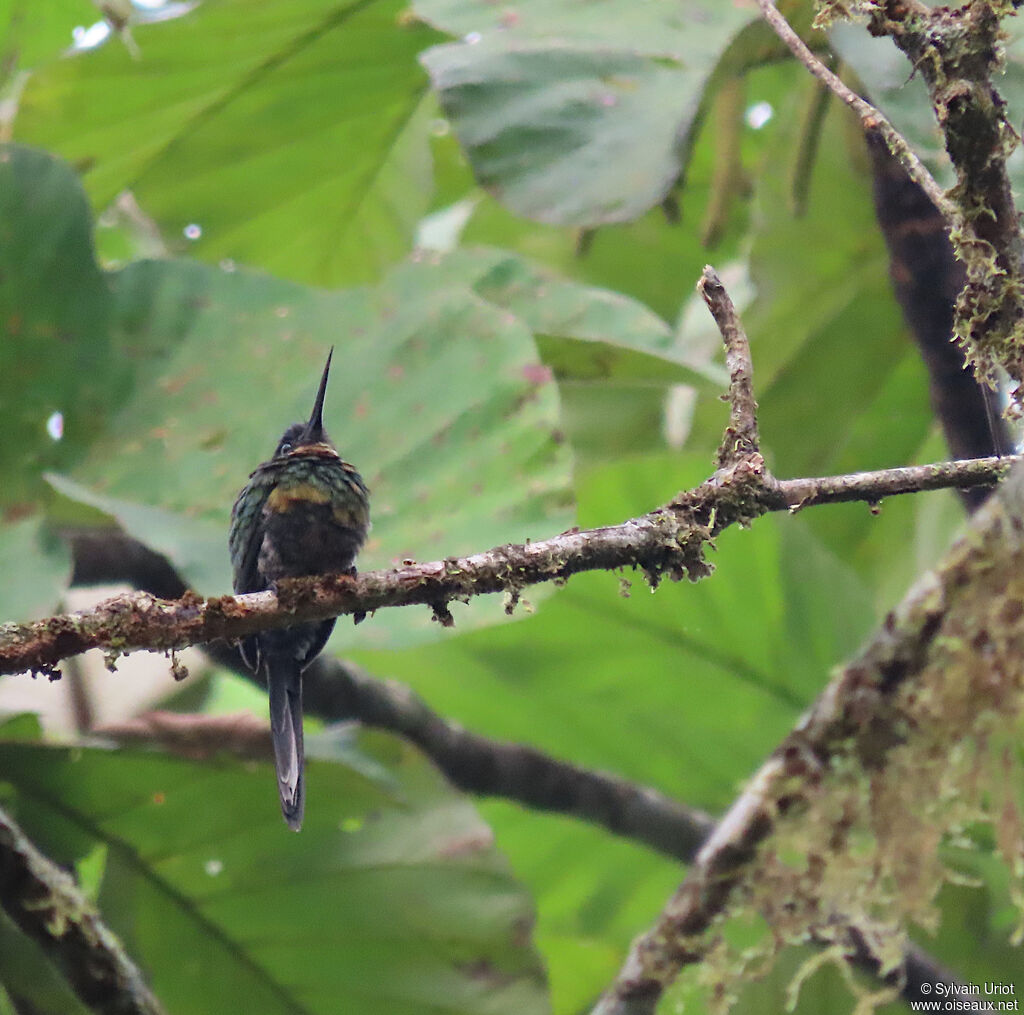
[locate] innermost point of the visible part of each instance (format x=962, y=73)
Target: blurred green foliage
x=495, y=214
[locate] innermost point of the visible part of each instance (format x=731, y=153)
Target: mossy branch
x=670, y=540
x=877, y=751
x=46, y=904
x=957, y=51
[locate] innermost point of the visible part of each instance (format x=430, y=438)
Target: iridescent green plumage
x=303, y=512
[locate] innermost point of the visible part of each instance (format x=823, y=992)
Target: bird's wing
x=246, y=534
x=244, y=540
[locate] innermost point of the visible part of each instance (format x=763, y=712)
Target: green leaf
x=590, y=910
x=437, y=395
x=687, y=690
x=285, y=144
x=56, y=353
x=584, y=332
x=542, y=127
x=31, y=32
x=615, y=361
x=195, y=547
x=37, y=568
x=392, y=897
x=578, y=121
x=20, y=726
x=589, y=334
x=672, y=31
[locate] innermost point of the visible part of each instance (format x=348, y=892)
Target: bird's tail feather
x=284, y=685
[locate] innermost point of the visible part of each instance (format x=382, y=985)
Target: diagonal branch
x=872, y=119
x=43, y=900
x=957, y=51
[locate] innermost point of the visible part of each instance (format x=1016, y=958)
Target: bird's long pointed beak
x=315, y=427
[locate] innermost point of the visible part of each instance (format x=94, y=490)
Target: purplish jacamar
x=304, y=512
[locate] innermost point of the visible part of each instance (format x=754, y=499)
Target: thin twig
x=741, y=437
x=47, y=905
x=871, y=118
x=873, y=486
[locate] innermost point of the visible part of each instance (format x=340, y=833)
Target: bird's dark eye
x=285, y=448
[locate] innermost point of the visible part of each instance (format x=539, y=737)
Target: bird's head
x=304, y=437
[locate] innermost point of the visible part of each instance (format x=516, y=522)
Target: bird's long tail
x=284, y=685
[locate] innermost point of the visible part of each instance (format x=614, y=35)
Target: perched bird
x=303, y=512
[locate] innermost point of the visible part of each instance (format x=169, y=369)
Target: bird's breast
x=312, y=523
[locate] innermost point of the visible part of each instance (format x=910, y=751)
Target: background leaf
x=544, y=101
x=394, y=867
x=291, y=149
x=56, y=310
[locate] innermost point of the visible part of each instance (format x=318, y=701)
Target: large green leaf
x=37, y=568
x=56, y=353
x=572, y=115
x=437, y=394
x=289, y=133
x=586, y=334
x=615, y=361
x=392, y=897
x=59, y=372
